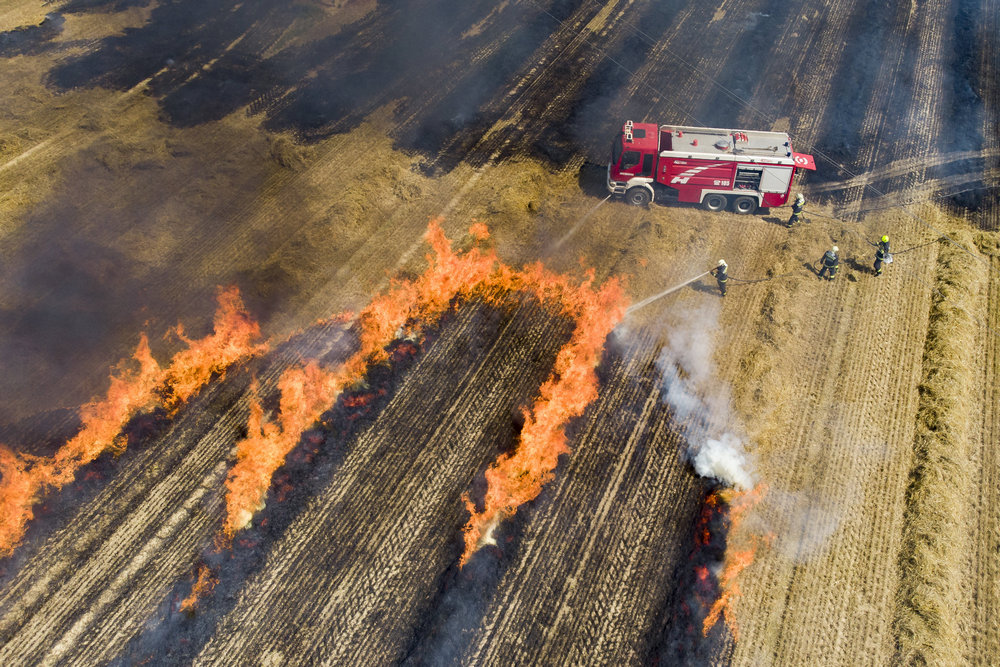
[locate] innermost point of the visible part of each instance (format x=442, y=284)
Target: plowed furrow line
x=923, y=122
x=107, y=536
x=120, y=606
x=544, y=93
x=290, y=560
x=515, y=600
x=811, y=41
x=366, y=537
x=645, y=537
x=685, y=63
x=584, y=570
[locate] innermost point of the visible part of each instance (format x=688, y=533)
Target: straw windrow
x=935, y=539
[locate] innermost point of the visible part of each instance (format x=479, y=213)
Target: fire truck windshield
x=616, y=149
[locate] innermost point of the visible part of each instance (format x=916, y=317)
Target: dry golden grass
x=935, y=538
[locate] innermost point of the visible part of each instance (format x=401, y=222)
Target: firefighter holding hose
x=797, y=206
x=720, y=275
x=882, y=254
x=830, y=262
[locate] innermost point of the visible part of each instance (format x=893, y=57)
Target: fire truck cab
x=717, y=168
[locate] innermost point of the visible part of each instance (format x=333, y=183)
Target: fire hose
x=645, y=302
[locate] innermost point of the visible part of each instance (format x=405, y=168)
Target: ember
x=204, y=583
x=707, y=585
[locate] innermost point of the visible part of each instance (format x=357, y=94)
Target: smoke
x=701, y=401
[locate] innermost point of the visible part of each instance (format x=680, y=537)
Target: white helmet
x=800, y=197
x=722, y=262
x=836, y=249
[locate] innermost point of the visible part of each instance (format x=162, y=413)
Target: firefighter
x=831, y=262
x=881, y=254
x=797, y=206
x=720, y=275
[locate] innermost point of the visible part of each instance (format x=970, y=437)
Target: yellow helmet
x=836, y=249
x=885, y=239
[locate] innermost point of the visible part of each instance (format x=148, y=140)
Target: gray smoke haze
x=701, y=401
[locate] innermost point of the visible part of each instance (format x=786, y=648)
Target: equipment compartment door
x=776, y=179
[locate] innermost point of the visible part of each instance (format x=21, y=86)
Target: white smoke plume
x=701, y=401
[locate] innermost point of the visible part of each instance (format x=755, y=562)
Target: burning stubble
x=26, y=478
x=405, y=309
x=714, y=446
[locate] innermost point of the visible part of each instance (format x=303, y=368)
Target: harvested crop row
x=935, y=535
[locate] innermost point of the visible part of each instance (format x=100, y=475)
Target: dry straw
x=935, y=533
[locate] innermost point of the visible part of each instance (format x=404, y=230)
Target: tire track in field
x=86, y=591
x=341, y=568
x=540, y=99
x=602, y=540
x=988, y=80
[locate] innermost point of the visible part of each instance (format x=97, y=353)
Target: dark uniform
x=881, y=253
x=797, y=207
x=721, y=277
x=830, y=263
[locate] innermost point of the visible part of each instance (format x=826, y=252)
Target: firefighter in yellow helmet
x=720, y=275
x=830, y=262
x=882, y=254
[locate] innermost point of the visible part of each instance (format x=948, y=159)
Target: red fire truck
x=716, y=168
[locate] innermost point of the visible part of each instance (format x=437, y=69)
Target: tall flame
x=25, y=478
x=518, y=477
x=404, y=308
x=307, y=393
x=233, y=337
x=736, y=560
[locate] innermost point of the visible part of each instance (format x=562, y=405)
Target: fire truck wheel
x=744, y=205
x=638, y=196
x=715, y=202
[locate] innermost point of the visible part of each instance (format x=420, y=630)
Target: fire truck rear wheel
x=715, y=202
x=638, y=196
x=744, y=205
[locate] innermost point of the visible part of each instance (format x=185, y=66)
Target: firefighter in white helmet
x=720, y=275
x=830, y=262
x=797, y=206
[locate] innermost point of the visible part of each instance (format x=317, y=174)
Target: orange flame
x=25, y=478
x=518, y=477
x=306, y=394
x=403, y=309
x=203, y=585
x=233, y=336
x=737, y=560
